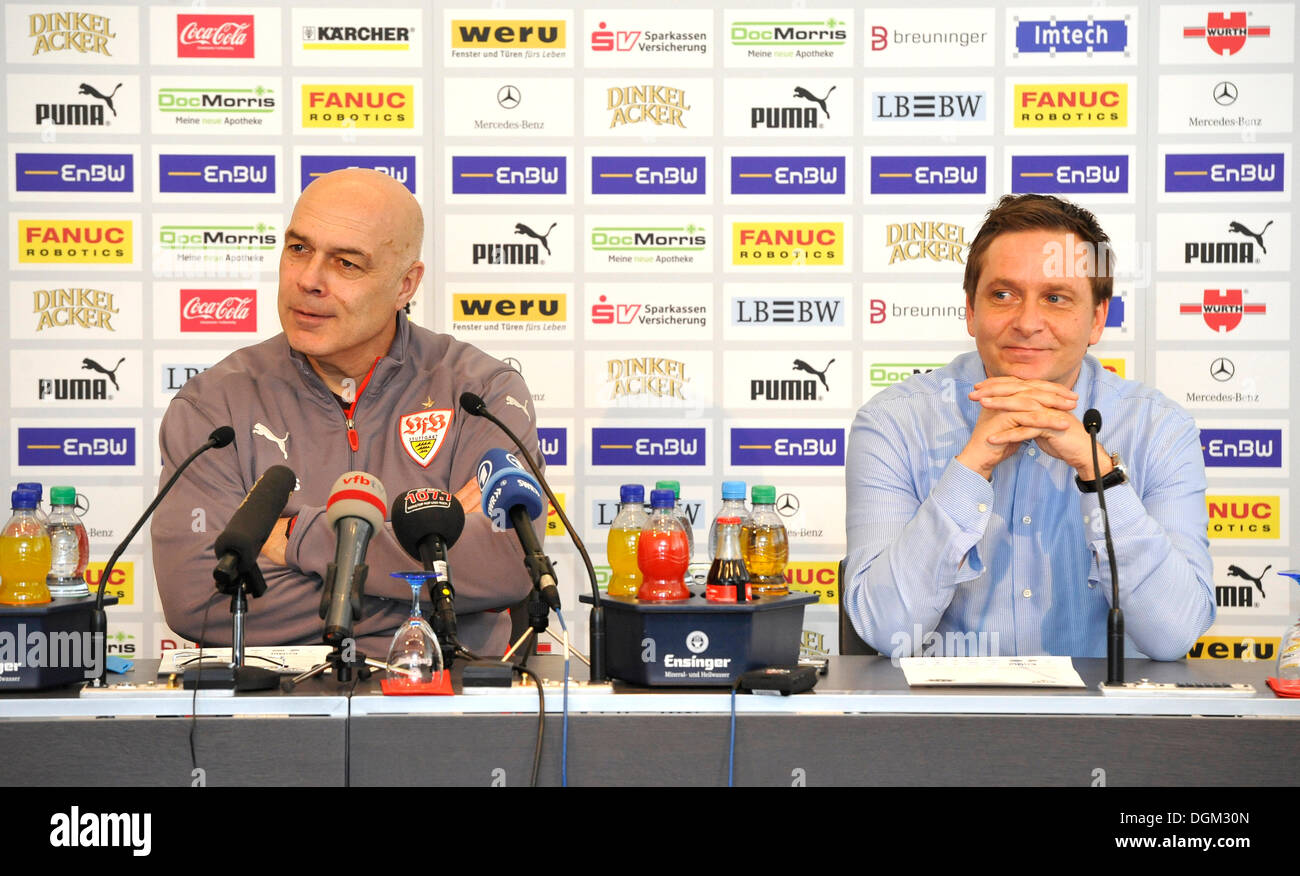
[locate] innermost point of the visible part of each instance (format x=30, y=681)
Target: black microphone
x=426, y=523
x=239, y=544
x=219, y=437
x=1115, y=618
x=475, y=406
x=355, y=510
x=512, y=499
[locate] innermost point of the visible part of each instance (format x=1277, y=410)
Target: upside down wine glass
x=415, y=656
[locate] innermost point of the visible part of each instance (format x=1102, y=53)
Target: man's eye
x=297, y=247
x=1055, y=299
x=347, y=264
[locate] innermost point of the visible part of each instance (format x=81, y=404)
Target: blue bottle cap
x=33, y=487
x=24, y=499
x=733, y=490
x=629, y=493
x=662, y=499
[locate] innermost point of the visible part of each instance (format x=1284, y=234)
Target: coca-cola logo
x=218, y=310
x=214, y=36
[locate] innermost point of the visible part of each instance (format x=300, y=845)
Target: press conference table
x=861, y=726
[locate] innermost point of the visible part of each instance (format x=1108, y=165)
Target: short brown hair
x=1033, y=212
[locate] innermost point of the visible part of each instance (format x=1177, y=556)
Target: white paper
x=990, y=672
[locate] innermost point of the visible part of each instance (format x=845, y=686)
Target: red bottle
x=663, y=552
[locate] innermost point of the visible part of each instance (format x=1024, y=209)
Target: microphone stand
x=433, y=555
x=1115, y=617
x=237, y=584
x=342, y=666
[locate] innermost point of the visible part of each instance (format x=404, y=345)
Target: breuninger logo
x=62, y=649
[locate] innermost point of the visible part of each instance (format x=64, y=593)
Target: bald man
x=349, y=385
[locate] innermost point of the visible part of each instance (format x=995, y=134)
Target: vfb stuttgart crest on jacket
x=422, y=433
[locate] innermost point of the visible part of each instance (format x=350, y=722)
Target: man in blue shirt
x=970, y=512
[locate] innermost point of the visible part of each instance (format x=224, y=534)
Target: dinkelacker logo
x=554, y=444
x=787, y=175
x=1100, y=105
x=214, y=36
x=1225, y=172
x=653, y=376
x=1071, y=36
x=1069, y=174
x=1226, y=34
x=346, y=38
x=929, y=175
x=81, y=32
x=929, y=106
x=787, y=446
x=358, y=106
x=1242, y=448
x=787, y=311
x=399, y=167
x=210, y=174
x=1228, y=252
x=648, y=175
x=81, y=241
x=87, y=308
x=800, y=116
x=73, y=172
x=80, y=114
x=508, y=175
x=496, y=253
x=76, y=445
x=932, y=241
x=648, y=446
x=656, y=104
x=787, y=243
x=1223, y=309
x=1244, y=516
x=218, y=310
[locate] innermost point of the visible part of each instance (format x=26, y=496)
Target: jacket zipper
x=354, y=440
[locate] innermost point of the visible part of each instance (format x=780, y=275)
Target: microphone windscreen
x=1092, y=420
x=221, y=436
x=252, y=521
x=420, y=513
x=505, y=484
x=472, y=404
x=357, y=494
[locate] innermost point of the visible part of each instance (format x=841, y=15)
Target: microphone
x=1114, y=618
x=219, y=437
x=512, y=499
x=238, y=546
x=355, y=510
x=427, y=523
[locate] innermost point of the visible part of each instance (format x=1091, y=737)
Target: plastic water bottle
x=764, y=545
x=620, y=547
x=662, y=552
x=680, y=511
x=24, y=554
x=1288, y=656
x=733, y=505
x=69, y=546
x=33, y=487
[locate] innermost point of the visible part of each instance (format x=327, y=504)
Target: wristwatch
x=1117, y=475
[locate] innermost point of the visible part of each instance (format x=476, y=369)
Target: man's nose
x=1029, y=317
x=312, y=276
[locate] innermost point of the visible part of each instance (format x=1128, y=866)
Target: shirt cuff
x=966, y=499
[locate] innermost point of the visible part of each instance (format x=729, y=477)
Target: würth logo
x=214, y=36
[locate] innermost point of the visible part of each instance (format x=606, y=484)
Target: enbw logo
x=399, y=167
x=68, y=445
x=787, y=446
x=72, y=172
x=648, y=446
x=787, y=175
x=928, y=175
x=508, y=175
x=1069, y=174
x=1242, y=448
x=646, y=175
x=554, y=444
x=208, y=174
x=1225, y=172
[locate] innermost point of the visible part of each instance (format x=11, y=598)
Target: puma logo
x=808, y=95
x=523, y=406
x=521, y=228
x=92, y=365
x=108, y=99
x=259, y=429
x=1238, y=572
x=801, y=365
x=1238, y=228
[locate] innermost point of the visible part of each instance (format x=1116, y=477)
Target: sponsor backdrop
x=704, y=238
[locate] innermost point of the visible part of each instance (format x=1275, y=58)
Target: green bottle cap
x=763, y=494
x=63, y=496
x=675, y=486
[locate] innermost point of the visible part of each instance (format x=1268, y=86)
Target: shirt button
x=982, y=507
x=1026, y=593
x=1033, y=452
x=1026, y=520
x=1092, y=585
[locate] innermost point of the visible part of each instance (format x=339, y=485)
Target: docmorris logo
x=787, y=446
x=1072, y=36
x=648, y=446
x=928, y=175
x=633, y=239
x=787, y=175
x=210, y=174
x=787, y=243
x=506, y=175
x=72, y=31
x=882, y=374
x=1225, y=172
x=497, y=34
x=648, y=175
x=1222, y=310
x=1242, y=448
x=1103, y=105
x=233, y=106
x=1226, y=34
x=71, y=172
x=83, y=241
x=214, y=36
x=789, y=34
x=1069, y=174
x=1244, y=516
x=358, y=106
x=71, y=445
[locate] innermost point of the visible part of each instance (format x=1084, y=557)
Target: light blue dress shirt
x=935, y=548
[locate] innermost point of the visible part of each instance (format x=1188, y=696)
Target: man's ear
x=410, y=283
x=1098, y=321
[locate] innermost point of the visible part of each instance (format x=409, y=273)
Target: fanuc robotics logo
x=1046, y=105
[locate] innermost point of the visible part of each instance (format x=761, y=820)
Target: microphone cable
x=194, y=700
x=541, y=720
x=564, y=724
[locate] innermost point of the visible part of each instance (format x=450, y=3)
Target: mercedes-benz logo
x=1225, y=93
x=1222, y=369
x=513, y=363
x=508, y=96
x=787, y=504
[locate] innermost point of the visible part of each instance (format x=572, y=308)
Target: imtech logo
x=509, y=307
x=649, y=175
x=883, y=374
x=1077, y=36
x=508, y=175
x=1242, y=448
x=929, y=174
x=786, y=446
x=1244, y=516
x=212, y=174
x=787, y=243
x=1226, y=34
x=1222, y=309
x=73, y=172
x=648, y=446
x=1076, y=105
x=79, y=242
x=358, y=106
x=399, y=167
x=787, y=175
x=502, y=34
x=75, y=445
x=1225, y=172
x=1070, y=174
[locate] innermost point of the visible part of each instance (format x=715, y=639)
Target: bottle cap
x=631, y=493
x=33, y=487
x=733, y=490
x=675, y=486
x=662, y=499
x=63, y=496
x=24, y=499
x=728, y=521
x=764, y=494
